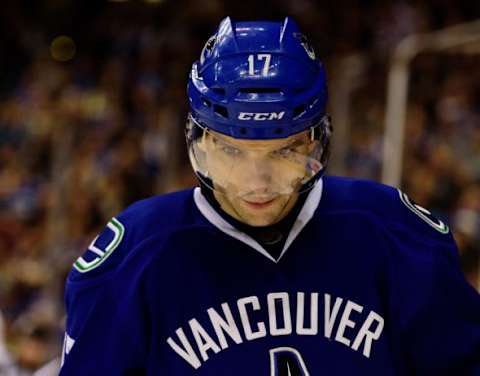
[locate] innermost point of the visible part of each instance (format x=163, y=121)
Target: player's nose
x=258, y=176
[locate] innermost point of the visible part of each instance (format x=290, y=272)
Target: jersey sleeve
x=90, y=272
x=437, y=311
x=444, y=335
x=104, y=327
x=112, y=336
x=107, y=326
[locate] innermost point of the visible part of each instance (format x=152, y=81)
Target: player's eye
x=230, y=150
x=284, y=152
x=225, y=148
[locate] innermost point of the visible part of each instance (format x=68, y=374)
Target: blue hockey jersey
x=367, y=284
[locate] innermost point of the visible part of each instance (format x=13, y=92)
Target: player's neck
x=272, y=237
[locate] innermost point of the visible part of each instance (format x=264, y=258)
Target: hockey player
x=269, y=267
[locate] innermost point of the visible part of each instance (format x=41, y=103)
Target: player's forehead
x=261, y=144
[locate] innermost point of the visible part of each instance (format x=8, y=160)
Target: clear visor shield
x=259, y=168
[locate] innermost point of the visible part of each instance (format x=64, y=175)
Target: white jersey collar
x=308, y=209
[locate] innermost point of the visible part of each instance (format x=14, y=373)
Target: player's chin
x=260, y=222
x=260, y=215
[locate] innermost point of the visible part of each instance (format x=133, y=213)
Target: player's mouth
x=259, y=204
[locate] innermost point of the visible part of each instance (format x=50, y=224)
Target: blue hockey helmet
x=259, y=81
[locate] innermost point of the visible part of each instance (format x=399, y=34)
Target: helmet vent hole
x=218, y=90
x=243, y=131
x=298, y=111
x=220, y=110
x=210, y=43
x=278, y=131
x=299, y=90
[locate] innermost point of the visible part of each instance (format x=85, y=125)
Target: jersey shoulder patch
x=101, y=247
x=423, y=213
x=156, y=216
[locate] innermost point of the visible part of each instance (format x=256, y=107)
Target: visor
x=260, y=168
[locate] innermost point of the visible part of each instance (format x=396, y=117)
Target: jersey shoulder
x=156, y=216
x=116, y=259
x=387, y=206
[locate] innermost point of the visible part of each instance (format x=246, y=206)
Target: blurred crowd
x=83, y=137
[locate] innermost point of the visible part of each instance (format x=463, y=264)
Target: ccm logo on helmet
x=261, y=116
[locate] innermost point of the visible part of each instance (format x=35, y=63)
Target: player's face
x=255, y=181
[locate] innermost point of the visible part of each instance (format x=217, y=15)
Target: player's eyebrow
x=297, y=141
x=293, y=143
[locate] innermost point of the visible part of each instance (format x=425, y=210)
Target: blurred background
x=93, y=105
